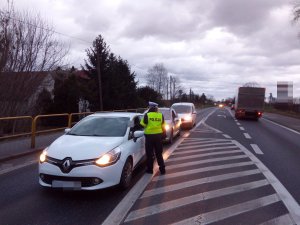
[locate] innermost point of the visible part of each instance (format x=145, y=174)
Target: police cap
x=152, y=104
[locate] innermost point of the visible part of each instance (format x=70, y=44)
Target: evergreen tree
x=117, y=81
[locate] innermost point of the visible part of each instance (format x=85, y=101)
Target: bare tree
x=29, y=51
x=157, y=78
x=28, y=43
x=174, y=87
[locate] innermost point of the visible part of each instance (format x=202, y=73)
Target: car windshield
x=166, y=113
x=182, y=108
x=101, y=126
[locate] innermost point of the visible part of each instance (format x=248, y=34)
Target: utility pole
x=99, y=79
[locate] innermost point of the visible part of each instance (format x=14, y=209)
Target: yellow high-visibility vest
x=155, y=123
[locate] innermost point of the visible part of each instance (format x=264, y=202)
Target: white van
x=186, y=112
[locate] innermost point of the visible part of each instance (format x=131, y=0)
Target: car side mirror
x=67, y=130
x=137, y=134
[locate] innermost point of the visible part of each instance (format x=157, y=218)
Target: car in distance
x=100, y=151
x=172, y=123
x=186, y=112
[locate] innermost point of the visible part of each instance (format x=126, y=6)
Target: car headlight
x=43, y=156
x=167, y=127
x=109, y=158
x=188, y=117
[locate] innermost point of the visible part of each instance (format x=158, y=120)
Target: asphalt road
x=23, y=201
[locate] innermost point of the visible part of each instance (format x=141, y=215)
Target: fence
x=67, y=120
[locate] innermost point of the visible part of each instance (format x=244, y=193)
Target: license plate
x=76, y=185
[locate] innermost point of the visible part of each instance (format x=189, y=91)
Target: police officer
x=153, y=121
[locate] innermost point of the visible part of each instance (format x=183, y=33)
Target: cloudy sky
x=212, y=46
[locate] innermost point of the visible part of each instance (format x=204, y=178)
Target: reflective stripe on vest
x=154, y=125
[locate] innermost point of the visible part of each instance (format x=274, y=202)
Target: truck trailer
x=249, y=102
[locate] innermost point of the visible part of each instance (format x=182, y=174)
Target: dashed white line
x=256, y=149
x=247, y=136
x=238, y=124
x=283, y=193
x=242, y=128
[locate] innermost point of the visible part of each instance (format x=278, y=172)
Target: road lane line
x=204, y=150
x=226, y=136
x=289, y=129
x=223, y=159
x=256, y=149
x=283, y=193
x=212, y=128
x=284, y=219
x=247, y=136
x=220, y=214
x=196, y=182
x=202, y=145
x=187, y=143
x=204, y=155
x=238, y=124
x=201, y=170
x=166, y=206
x=121, y=210
x=17, y=167
x=242, y=128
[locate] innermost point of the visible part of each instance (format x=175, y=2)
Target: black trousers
x=154, y=145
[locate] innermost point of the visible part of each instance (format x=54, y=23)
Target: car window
x=101, y=126
x=166, y=113
x=182, y=108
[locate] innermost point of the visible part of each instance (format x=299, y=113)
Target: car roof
x=116, y=114
x=183, y=103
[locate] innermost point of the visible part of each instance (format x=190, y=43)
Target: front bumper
x=90, y=177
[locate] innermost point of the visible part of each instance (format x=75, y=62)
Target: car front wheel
x=126, y=175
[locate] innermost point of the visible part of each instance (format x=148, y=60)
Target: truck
x=249, y=102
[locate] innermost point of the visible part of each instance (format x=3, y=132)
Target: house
x=19, y=91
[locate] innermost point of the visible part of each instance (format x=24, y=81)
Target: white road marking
x=238, y=124
x=17, y=167
x=196, y=182
x=207, y=161
x=284, y=219
x=242, y=128
x=187, y=143
x=226, y=136
x=291, y=204
x=289, y=129
x=201, y=170
x=217, y=215
x=256, y=149
x=247, y=136
x=166, y=206
x=211, y=128
x=122, y=209
x=204, y=155
x=204, y=150
x=202, y=145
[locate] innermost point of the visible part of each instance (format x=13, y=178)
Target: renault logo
x=66, y=165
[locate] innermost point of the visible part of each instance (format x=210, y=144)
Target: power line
x=47, y=29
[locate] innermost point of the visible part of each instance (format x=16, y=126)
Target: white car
x=100, y=151
x=172, y=122
x=186, y=112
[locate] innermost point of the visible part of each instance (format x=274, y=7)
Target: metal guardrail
x=70, y=121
